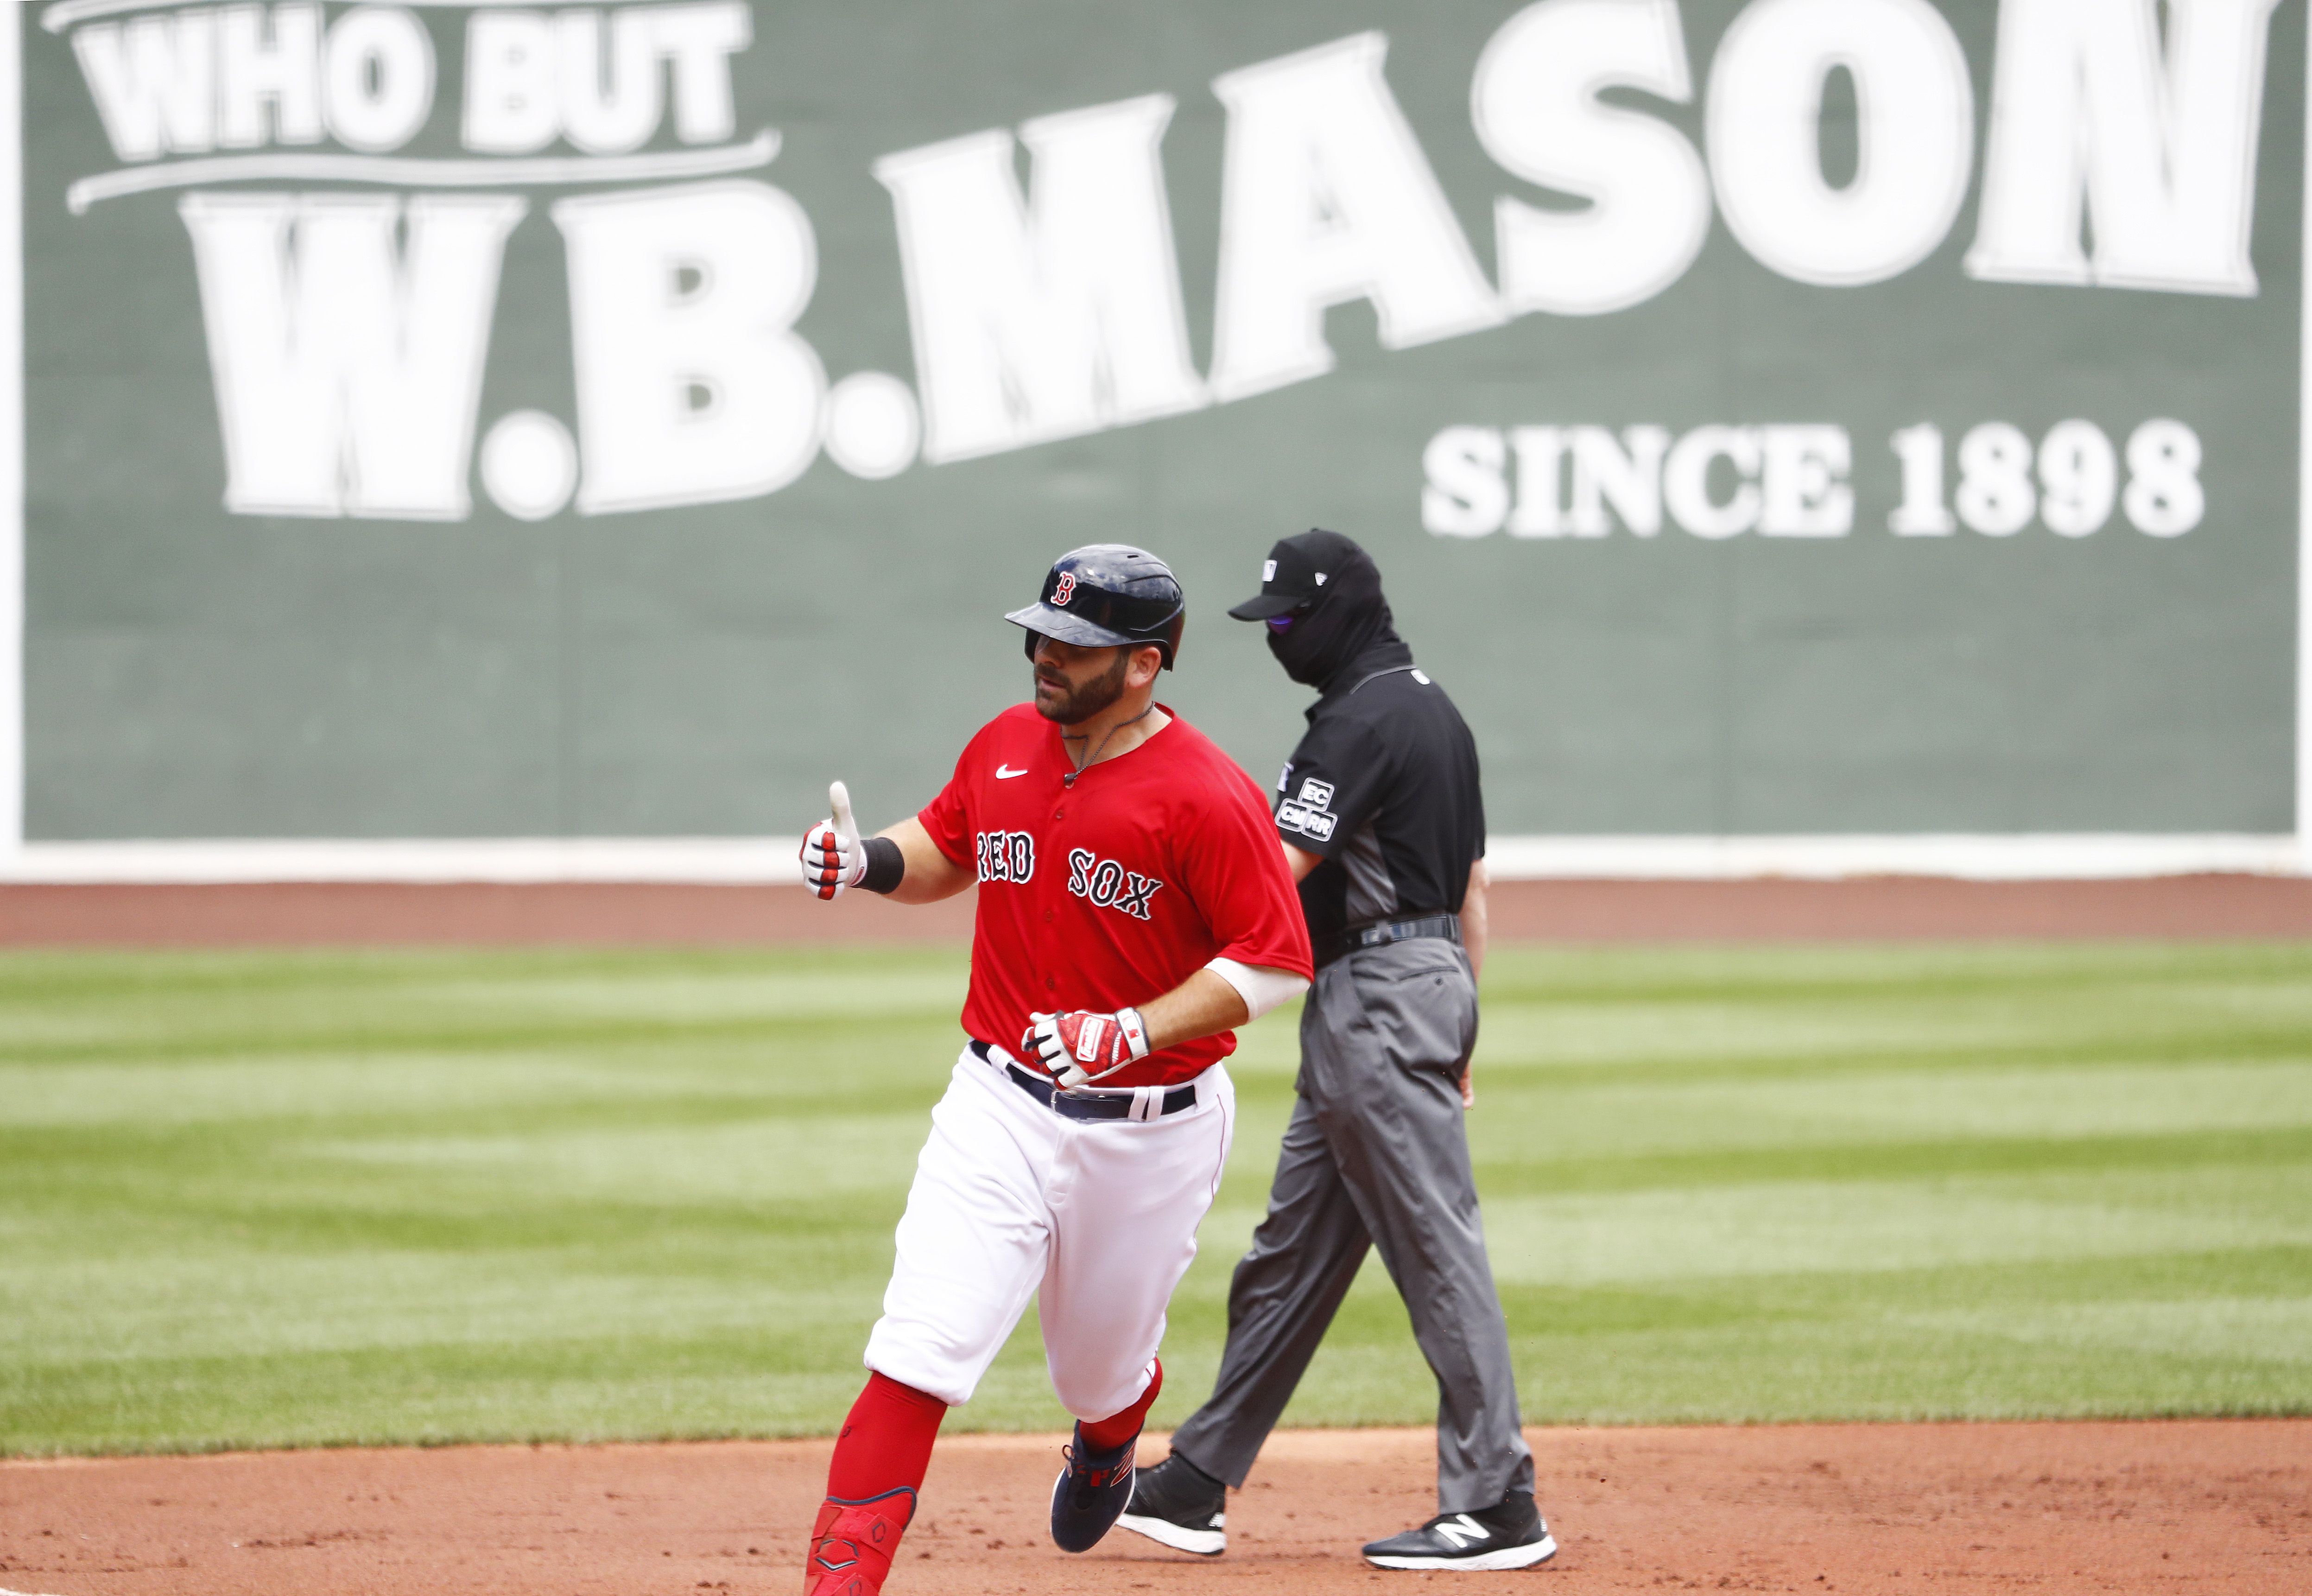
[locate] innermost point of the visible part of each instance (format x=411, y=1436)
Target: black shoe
x=1177, y=1504
x=1090, y=1491
x=1511, y=1535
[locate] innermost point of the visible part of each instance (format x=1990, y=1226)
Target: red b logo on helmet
x=1066, y=588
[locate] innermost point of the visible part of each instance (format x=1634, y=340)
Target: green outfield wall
x=1790, y=417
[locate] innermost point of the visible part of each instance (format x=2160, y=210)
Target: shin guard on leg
x=871, y=1482
x=852, y=1543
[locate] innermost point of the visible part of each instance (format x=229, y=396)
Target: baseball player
x=1132, y=910
x=1382, y=822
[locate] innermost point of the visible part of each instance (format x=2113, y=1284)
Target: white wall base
x=2039, y=856
x=760, y=861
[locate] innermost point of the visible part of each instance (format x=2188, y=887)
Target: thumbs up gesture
x=832, y=859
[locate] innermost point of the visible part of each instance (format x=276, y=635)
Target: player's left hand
x=1078, y=1046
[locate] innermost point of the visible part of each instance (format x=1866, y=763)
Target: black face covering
x=1348, y=619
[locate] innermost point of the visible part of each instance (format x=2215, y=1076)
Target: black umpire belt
x=1069, y=1105
x=1448, y=926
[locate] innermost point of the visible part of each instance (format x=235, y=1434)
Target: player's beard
x=1079, y=704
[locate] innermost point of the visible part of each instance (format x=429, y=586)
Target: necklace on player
x=1069, y=780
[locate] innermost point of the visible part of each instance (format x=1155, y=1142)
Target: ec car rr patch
x=1312, y=812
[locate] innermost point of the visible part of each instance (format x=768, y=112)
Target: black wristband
x=886, y=866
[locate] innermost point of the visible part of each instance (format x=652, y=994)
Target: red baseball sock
x=1117, y=1429
x=886, y=1443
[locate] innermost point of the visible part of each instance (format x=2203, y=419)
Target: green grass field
x=261, y=1199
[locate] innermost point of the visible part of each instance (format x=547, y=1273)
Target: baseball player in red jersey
x=1134, y=908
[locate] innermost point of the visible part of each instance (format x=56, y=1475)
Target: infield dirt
x=2181, y=1505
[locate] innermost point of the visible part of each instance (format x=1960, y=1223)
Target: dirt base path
x=2175, y=1506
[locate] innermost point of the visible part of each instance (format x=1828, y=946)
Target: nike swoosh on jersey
x=1005, y=773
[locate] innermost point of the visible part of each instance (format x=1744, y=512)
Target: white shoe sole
x=1508, y=1556
x=1204, y=1543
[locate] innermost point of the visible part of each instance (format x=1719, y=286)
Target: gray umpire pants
x=1376, y=1155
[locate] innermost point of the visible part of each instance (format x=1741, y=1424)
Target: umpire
x=1382, y=822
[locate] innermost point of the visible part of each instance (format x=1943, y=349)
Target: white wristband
x=1261, y=986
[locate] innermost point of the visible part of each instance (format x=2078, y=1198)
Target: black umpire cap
x=1107, y=595
x=1295, y=573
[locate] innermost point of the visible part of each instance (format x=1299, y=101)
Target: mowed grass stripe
x=256, y=1199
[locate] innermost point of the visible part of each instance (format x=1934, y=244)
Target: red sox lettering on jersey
x=1007, y=856
x=1164, y=847
x=1108, y=884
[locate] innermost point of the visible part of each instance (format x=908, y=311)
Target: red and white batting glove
x=1078, y=1046
x=832, y=859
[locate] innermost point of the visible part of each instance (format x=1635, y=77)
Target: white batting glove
x=1078, y=1046
x=832, y=860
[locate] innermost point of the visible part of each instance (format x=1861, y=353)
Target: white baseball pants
x=1098, y=1218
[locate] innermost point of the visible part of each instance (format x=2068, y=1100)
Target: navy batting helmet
x=1105, y=595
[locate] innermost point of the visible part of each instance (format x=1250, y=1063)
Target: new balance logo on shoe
x=1463, y=1531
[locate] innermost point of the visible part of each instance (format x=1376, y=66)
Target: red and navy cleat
x=1092, y=1490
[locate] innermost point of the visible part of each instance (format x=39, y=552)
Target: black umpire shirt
x=1384, y=787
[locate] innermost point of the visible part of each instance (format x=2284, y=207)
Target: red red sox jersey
x=1106, y=894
